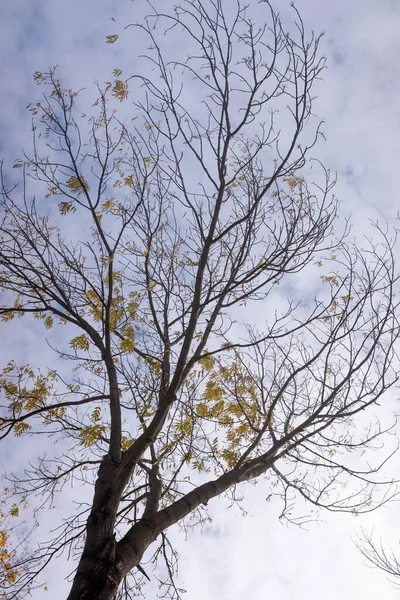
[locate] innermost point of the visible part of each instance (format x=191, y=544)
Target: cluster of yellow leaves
x=20, y=428
x=111, y=205
x=77, y=184
x=120, y=90
x=91, y=433
x=207, y=363
x=126, y=442
x=292, y=182
x=332, y=279
x=8, y=315
x=66, y=207
x=95, y=303
x=25, y=390
x=54, y=414
x=7, y=572
x=123, y=311
x=128, y=343
x=80, y=342
x=229, y=400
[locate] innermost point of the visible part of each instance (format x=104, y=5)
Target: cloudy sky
x=252, y=556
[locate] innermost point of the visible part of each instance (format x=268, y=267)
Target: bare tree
x=170, y=234
x=379, y=557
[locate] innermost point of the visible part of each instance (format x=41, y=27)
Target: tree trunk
x=97, y=576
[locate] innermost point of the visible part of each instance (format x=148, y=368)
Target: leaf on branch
x=126, y=442
x=20, y=428
x=66, y=207
x=127, y=345
x=107, y=204
x=207, y=363
x=77, y=184
x=148, y=161
x=152, y=285
x=8, y=315
x=80, y=342
x=52, y=191
x=292, y=182
x=96, y=414
x=38, y=76
x=18, y=164
x=91, y=434
x=48, y=322
x=330, y=279
x=120, y=90
x=230, y=456
x=202, y=410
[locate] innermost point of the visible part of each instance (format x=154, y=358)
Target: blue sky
x=252, y=556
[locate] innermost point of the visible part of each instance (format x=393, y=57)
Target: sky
x=253, y=555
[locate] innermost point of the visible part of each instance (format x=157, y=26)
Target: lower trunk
x=97, y=576
x=96, y=580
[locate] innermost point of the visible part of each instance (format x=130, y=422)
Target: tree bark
x=97, y=577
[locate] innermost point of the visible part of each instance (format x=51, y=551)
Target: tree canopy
x=152, y=251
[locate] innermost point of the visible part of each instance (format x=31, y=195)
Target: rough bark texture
x=96, y=576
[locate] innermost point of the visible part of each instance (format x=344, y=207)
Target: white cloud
x=252, y=557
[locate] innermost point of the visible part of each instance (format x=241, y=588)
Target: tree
x=379, y=557
x=153, y=244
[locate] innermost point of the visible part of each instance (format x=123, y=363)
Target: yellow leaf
x=125, y=443
x=52, y=191
x=112, y=38
x=202, y=410
x=80, y=342
x=107, y=205
x=21, y=428
x=38, y=76
x=127, y=345
x=18, y=165
x=4, y=555
x=48, y=322
x=90, y=434
x=12, y=576
x=120, y=90
x=76, y=184
x=66, y=207
x=96, y=414
x=207, y=363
